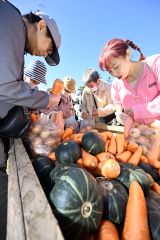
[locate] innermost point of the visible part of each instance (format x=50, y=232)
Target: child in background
x=137, y=83
x=96, y=100
x=35, y=73
x=66, y=103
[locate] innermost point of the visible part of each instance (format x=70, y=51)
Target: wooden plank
x=15, y=221
x=40, y=223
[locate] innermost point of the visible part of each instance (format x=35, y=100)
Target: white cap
x=90, y=74
x=52, y=59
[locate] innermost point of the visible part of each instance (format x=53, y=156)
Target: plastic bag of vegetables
x=46, y=133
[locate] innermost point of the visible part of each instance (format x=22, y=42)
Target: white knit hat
x=36, y=70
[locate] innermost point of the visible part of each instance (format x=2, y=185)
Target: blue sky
x=86, y=25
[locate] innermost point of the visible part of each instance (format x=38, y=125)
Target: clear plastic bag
x=87, y=124
x=72, y=123
x=47, y=132
x=148, y=137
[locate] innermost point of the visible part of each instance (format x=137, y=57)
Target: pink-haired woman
x=137, y=83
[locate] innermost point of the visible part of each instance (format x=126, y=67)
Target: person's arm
x=113, y=102
x=150, y=109
x=147, y=110
x=12, y=43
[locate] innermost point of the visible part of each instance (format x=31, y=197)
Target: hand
x=68, y=114
x=129, y=112
x=84, y=114
x=121, y=117
x=118, y=107
x=53, y=100
x=95, y=113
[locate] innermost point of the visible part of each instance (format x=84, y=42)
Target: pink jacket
x=145, y=100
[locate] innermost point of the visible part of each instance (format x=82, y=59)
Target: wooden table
x=29, y=214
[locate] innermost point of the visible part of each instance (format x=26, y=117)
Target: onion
x=37, y=141
x=50, y=141
x=36, y=130
x=44, y=133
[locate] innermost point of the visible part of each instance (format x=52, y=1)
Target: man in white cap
x=96, y=99
x=36, y=34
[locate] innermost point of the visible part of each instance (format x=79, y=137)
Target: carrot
x=119, y=143
x=108, y=134
x=110, y=155
x=132, y=147
x=107, y=231
x=153, y=162
x=102, y=157
x=103, y=136
x=156, y=188
x=77, y=137
x=136, y=222
x=135, y=158
x=66, y=139
x=106, y=145
x=143, y=159
x=52, y=156
x=89, y=161
x=112, y=146
x=109, y=168
x=67, y=133
x=125, y=145
x=57, y=86
x=124, y=157
x=80, y=162
x=34, y=117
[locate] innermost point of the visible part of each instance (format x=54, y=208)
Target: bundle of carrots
x=117, y=148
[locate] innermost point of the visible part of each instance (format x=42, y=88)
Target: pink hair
x=115, y=48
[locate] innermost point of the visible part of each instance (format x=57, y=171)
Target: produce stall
x=101, y=185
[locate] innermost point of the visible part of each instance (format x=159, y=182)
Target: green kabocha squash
x=68, y=152
x=149, y=169
x=43, y=166
x=77, y=203
x=115, y=198
x=130, y=173
x=59, y=170
x=93, y=143
x=153, y=211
